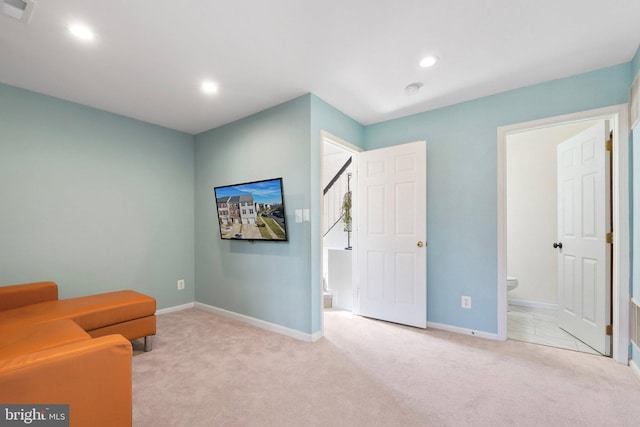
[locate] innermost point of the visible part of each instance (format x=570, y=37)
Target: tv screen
x=252, y=211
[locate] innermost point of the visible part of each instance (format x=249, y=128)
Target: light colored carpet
x=207, y=370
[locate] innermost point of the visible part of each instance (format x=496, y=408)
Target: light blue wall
x=462, y=182
x=94, y=201
x=271, y=281
x=635, y=63
x=324, y=118
x=265, y=280
x=98, y=202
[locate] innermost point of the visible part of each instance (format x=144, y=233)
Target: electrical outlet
x=466, y=302
x=180, y=284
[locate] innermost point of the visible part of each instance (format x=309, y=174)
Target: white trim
x=619, y=114
x=533, y=304
x=635, y=301
x=175, y=308
x=260, y=323
x=621, y=215
x=339, y=141
x=316, y=336
x=463, y=331
x=634, y=102
x=635, y=368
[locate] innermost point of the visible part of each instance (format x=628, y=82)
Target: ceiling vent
x=18, y=9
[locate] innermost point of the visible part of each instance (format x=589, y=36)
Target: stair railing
x=333, y=195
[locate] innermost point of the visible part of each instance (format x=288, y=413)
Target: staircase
x=333, y=195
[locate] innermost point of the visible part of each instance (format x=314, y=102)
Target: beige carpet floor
x=207, y=370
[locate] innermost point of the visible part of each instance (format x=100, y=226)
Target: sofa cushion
x=131, y=330
x=14, y=296
x=30, y=338
x=89, y=312
x=93, y=377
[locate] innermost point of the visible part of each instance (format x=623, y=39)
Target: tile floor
x=540, y=326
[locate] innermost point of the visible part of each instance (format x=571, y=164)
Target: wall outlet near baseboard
x=466, y=302
x=180, y=284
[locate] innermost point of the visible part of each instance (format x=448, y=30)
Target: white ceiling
x=149, y=56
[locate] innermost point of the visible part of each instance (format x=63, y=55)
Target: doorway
x=618, y=115
x=387, y=259
x=339, y=185
x=532, y=228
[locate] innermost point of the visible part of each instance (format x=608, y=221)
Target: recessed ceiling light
x=428, y=61
x=209, y=87
x=81, y=31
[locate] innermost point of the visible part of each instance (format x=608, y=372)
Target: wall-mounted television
x=252, y=211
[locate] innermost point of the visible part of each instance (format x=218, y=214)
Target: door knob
x=558, y=245
x=420, y=244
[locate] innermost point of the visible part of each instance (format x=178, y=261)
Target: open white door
x=584, y=257
x=392, y=233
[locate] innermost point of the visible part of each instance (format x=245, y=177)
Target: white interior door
x=584, y=257
x=392, y=233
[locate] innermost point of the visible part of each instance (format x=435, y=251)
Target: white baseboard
x=315, y=337
x=175, y=308
x=463, y=331
x=533, y=304
x=260, y=323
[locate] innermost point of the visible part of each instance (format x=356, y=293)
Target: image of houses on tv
x=251, y=211
x=237, y=210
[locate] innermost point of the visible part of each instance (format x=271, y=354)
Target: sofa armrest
x=92, y=376
x=15, y=296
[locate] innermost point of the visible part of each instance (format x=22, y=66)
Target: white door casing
x=391, y=234
x=584, y=260
x=619, y=118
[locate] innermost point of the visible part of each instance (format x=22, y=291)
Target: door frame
x=619, y=116
x=354, y=149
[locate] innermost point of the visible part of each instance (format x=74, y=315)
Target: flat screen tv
x=252, y=211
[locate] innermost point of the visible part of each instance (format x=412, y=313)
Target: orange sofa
x=74, y=351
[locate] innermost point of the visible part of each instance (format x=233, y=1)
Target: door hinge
x=609, y=237
x=609, y=145
x=609, y=330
